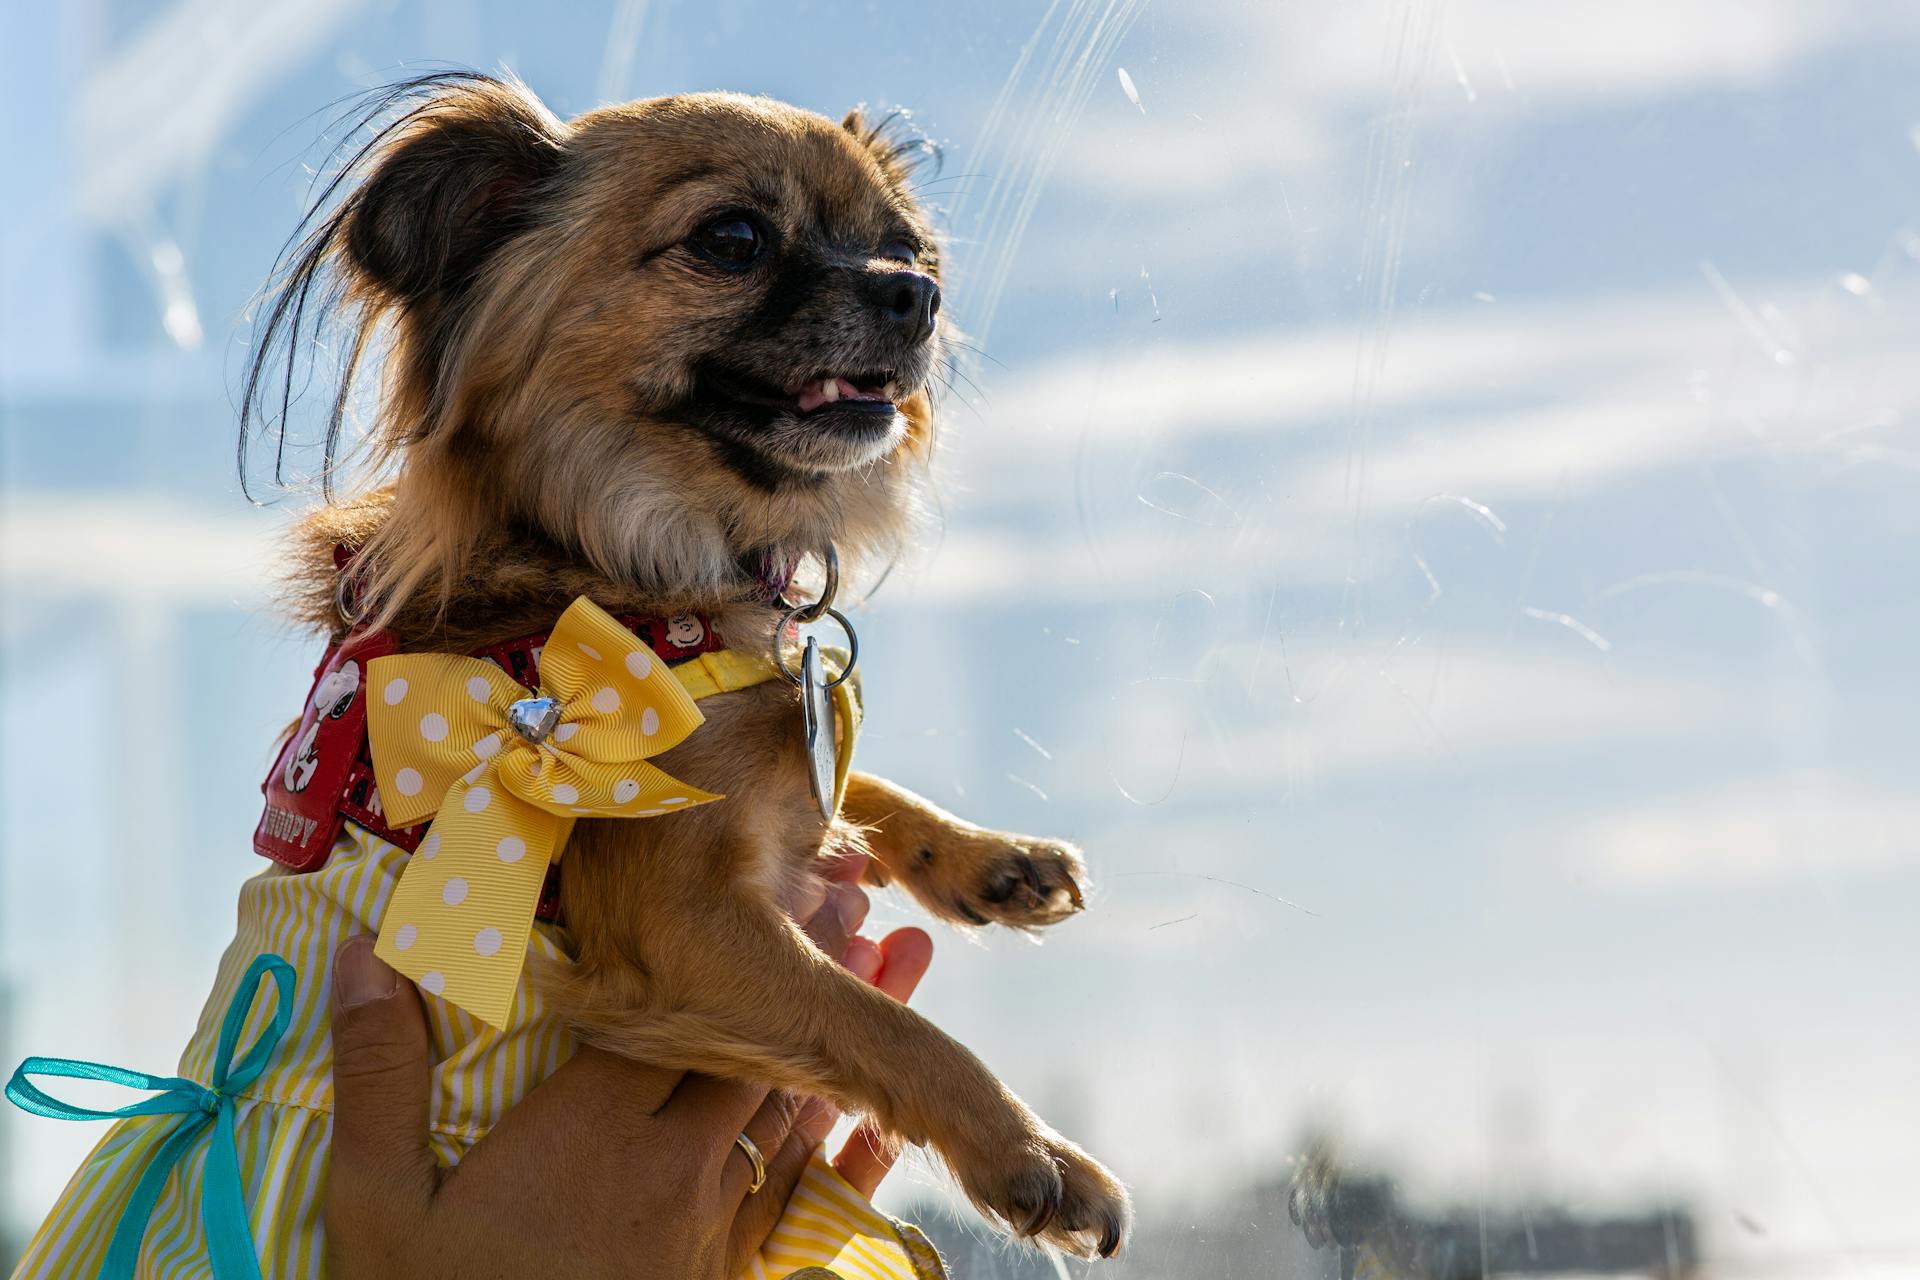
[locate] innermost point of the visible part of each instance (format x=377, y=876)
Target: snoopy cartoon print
x=335, y=692
x=684, y=631
x=304, y=760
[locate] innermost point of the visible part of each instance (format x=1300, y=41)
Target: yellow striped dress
x=283, y=1121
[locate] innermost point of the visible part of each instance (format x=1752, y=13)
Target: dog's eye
x=900, y=251
x=730, y=240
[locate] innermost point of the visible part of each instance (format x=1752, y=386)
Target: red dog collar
x=323, y=773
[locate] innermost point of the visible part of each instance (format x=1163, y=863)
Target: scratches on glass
x=1387, y=205
x=1790, y=617
x=1184, y=498
x=1141, y=797
x=1460, y=76
x=1483, y=515
x=1027, y=738
x=1028, y=784
x=1480, y=510
x=1571, y=623
x=1764, y=325
x=1222, y=880
x=623, y=43
x=1032, y=119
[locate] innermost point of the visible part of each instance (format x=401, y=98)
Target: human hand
x=608, y=1168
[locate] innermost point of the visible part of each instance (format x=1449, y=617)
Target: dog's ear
x=460, y=173
x=894, y=142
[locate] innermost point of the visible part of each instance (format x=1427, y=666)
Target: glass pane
x=1424, y=500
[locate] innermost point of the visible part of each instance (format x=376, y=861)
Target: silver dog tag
x=817, y=705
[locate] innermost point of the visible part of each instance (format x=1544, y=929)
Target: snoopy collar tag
x=823, y=751
x=315, y=767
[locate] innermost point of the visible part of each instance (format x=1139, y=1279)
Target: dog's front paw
x=1021, y=881
x=1048, y=1190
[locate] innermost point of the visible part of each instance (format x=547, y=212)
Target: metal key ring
x=824, y=605
x=346, y=601
x=797, y=615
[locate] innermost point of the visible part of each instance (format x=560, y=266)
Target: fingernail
x=851, y=905
x=862, y=959
x=849, y=868
x=359, y=976
x=816, y=1120
x=807, y=899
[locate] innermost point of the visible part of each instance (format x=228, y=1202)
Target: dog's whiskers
x=982, y=352
x=954, y=366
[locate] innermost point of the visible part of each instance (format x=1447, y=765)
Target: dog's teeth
x=830, y=390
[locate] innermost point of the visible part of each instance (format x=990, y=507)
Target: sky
x=1429, y=509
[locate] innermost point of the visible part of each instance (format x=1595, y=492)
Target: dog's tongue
x=812, y=395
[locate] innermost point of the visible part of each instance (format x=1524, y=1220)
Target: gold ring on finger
x=754, y=1158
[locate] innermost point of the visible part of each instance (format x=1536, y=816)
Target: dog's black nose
x=909, y=299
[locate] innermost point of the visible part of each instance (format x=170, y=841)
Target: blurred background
x=1433, y=514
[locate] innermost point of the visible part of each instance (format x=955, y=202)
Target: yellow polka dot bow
x=507, y=772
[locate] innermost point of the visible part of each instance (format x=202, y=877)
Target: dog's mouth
x=870, y=391
x=776, y=431
x=866, y=390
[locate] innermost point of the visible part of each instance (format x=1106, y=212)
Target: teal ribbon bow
x=223, y=1205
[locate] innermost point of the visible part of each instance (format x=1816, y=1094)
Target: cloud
x=1341, y=714
x=1538, y=353
x=1757, y=831
x=154, y=110
x=1625, y=49
x=1318, y=67
x=1172, y=460
x=133, y=547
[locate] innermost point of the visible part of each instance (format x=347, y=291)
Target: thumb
x=383, y=1172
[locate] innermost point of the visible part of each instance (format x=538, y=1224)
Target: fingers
x=768, y=1129
x=862, y=959
x=633, y=1089
x=838, y=919
x=708, y=1110
x=807, y=896
x=905, y=955
x=761, y=1211
x=381, y=1162
x=866, y=1160
x=847, y=868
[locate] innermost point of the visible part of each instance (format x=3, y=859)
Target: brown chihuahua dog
x=629, y=357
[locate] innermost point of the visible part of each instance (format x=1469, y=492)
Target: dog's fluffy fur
x=579, y=399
